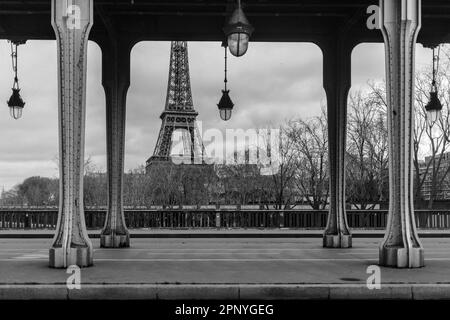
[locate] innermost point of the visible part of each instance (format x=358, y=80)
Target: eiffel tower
x=179, y=112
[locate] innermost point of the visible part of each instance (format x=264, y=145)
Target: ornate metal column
x=337, y=82
x=116, y=81
x=401, y=21
x=72, y=22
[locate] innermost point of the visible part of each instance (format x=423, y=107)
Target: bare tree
x=94, y=187
x=196, y=183
x=284, y=165
x=137, y=190
x=310, y=141
x=430, y=141
x=435, y=136
x=165, y=184
x=367, y=151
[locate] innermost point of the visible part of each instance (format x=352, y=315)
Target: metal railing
x=35, y=218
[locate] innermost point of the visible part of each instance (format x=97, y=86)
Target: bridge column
x=401, y=21
x=336, y=82
x=71, y=245
x=116, y=81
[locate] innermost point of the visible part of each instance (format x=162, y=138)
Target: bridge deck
x=225, y=268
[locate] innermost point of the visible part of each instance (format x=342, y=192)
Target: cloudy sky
x=273, y=82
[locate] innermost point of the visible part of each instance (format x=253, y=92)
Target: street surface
x=222, y=261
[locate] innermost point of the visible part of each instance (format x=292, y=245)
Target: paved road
x=222, y=261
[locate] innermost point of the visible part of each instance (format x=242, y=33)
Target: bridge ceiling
x=274, y=20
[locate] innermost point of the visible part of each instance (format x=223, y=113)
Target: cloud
x=271, y=83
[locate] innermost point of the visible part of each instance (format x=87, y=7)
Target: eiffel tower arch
x=179, y=111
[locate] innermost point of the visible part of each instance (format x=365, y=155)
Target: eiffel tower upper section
x=179, y=95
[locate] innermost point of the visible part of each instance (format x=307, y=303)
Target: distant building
x=443, y=189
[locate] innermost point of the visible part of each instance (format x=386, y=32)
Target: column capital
x=394, y=12
x=72, y=15
x=116, y=62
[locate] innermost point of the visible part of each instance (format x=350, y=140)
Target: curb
x=226, y=292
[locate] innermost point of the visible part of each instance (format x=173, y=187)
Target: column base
x=398, y=257
x=115, y=241
x=337, y=241
x=80, y=256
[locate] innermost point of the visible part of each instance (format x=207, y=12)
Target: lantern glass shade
x=433, y=108
x=238, y=31
x=238, y=43
x=16, y=104
x=225, y=114
x=433, y=116
x=15, y=112
x=225, y=106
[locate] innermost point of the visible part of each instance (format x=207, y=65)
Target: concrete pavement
x=232, y=268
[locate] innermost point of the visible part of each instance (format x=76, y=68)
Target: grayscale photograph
x=224, y=159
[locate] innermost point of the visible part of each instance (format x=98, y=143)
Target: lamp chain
x=436, y=59
x=14, y=64
x=225, y=80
